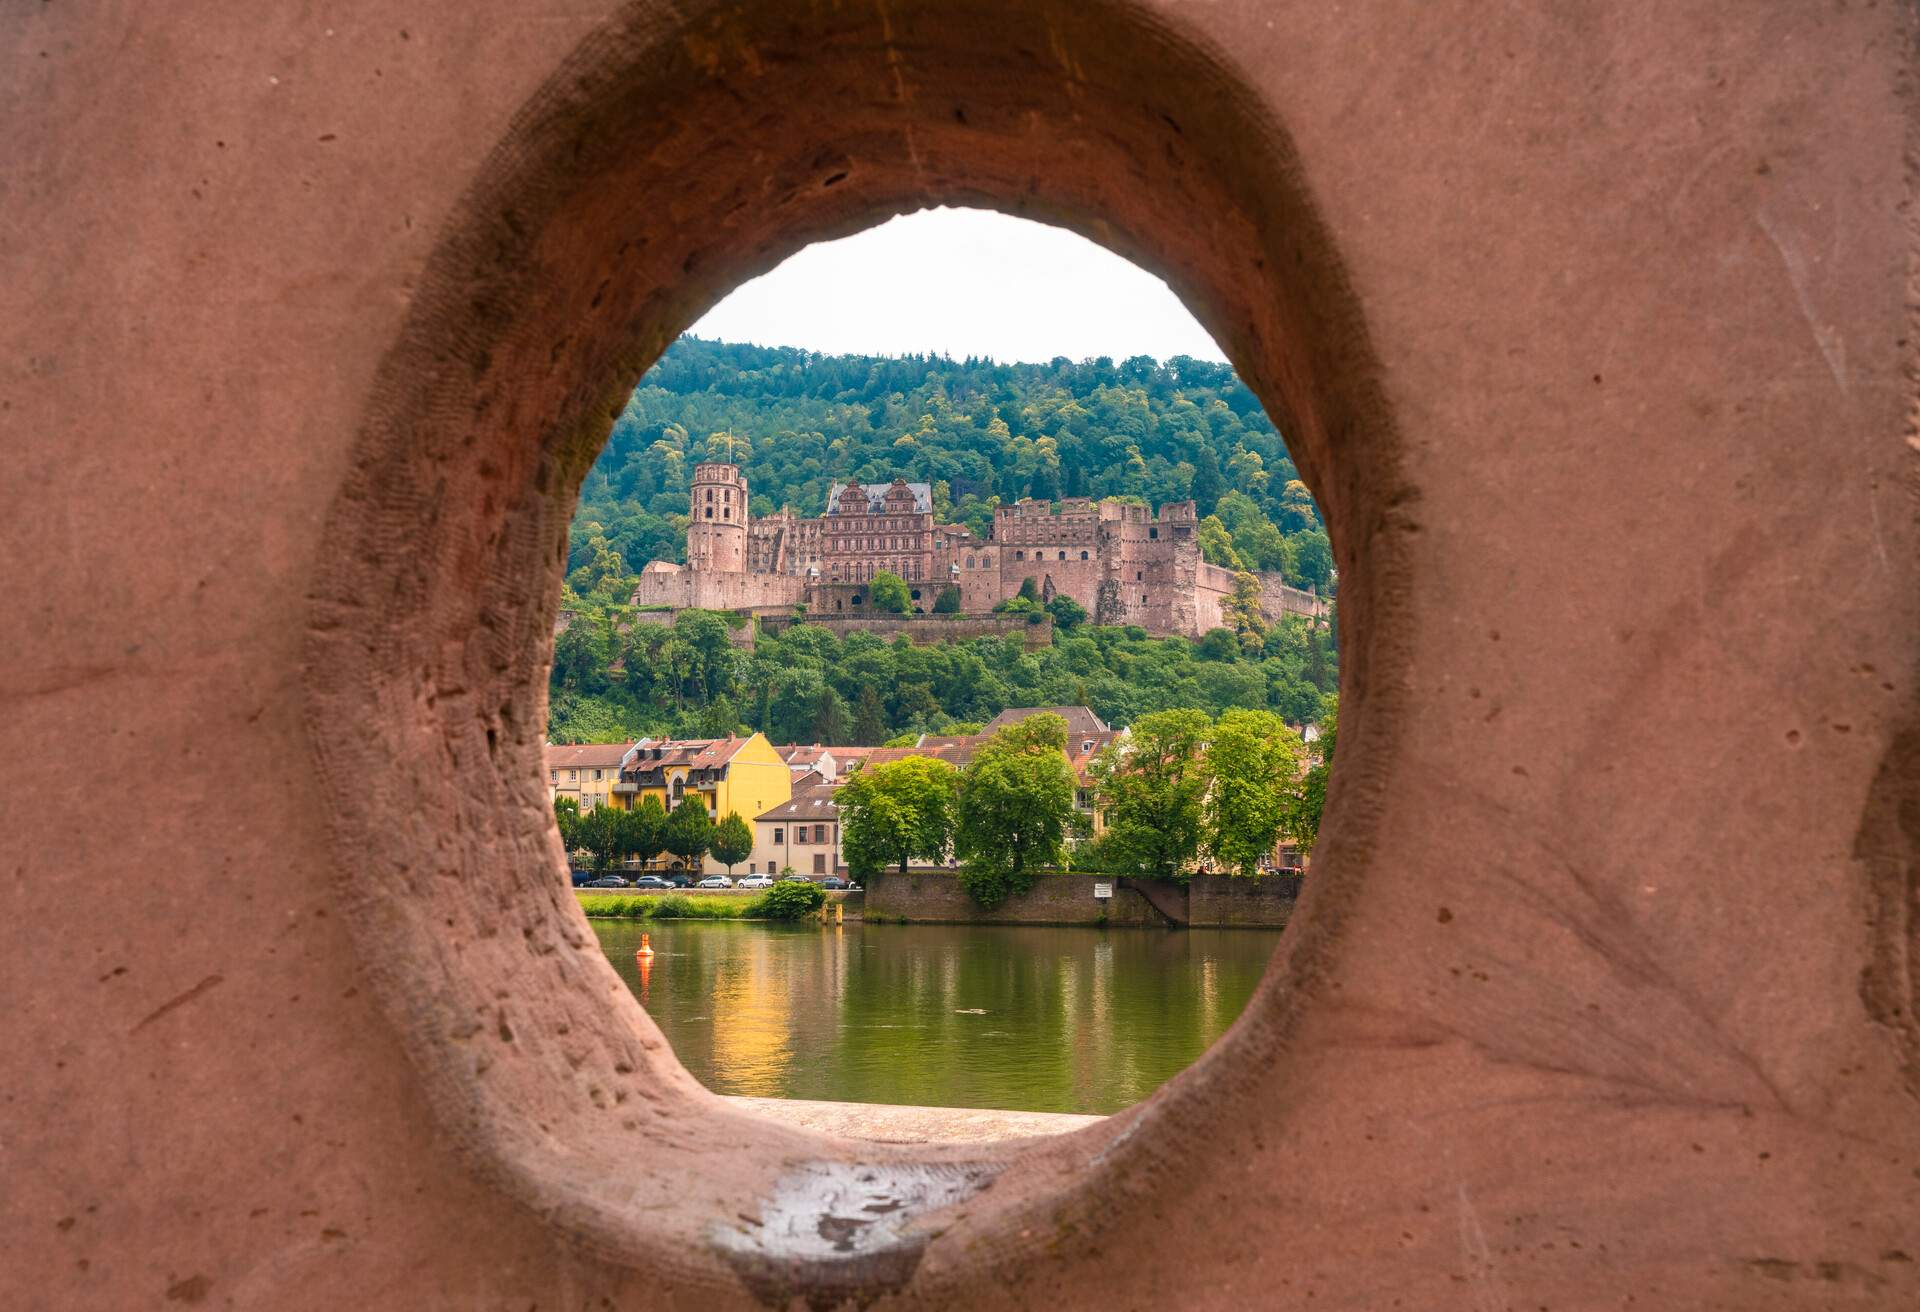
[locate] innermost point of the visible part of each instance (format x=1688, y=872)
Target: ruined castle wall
x=744, y=591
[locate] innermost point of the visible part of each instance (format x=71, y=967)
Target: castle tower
x=717, y=529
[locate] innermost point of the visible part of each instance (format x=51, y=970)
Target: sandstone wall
x=1591, y=329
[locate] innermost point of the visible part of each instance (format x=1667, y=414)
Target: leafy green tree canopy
x=1253, y=761
x=889, y=593
x=1151, y=789
x=893, y=813
x=732, y=841
x=1016, y=803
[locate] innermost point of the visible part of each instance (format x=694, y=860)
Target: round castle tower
x=717, y=529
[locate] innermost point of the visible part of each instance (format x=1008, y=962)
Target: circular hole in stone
x=667, y=160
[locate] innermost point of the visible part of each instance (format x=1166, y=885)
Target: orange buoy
x=646, y=947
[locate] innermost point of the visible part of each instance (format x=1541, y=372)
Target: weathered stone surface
x=882, y=1123
x=1591, y=328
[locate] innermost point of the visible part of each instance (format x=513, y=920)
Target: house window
x=779, y=835
x=819, y=863
x=573, y=776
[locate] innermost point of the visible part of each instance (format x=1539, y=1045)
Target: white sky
x=963, y=282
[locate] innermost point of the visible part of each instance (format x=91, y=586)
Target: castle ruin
x=1122, y=562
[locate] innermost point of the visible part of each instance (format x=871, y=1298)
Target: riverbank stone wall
x=1591, y=328
x=1206, y=902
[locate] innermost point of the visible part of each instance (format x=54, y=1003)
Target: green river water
x=1023, y=1018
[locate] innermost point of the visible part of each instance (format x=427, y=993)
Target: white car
x=715, y=881
x=756, y=881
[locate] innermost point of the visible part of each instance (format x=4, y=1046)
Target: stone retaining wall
x=1213, y=901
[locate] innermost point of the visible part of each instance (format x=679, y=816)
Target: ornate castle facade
x=1123, y=563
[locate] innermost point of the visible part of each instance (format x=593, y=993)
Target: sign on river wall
x=1207, y=901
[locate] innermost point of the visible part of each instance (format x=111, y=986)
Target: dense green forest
x=981, y=433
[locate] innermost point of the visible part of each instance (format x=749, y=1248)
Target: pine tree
x=869, y=718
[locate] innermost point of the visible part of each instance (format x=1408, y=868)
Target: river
x=1022, y=1018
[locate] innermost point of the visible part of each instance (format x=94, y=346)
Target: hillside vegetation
x=980, y=433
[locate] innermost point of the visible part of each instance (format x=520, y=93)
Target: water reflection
x=1026, y=1018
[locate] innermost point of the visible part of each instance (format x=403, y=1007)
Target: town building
x=743, y=776
x=801, y=834
x=585, y=773
x=1122, y=562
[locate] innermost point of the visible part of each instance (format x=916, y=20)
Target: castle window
x=1138, y=575
x=1018, y=555
x=1154, y=533
x=1083, y=555
x=709, y=494
x=709, y=512
x=1143, y=599
x=969, y=562
x=726, y=512
x=1063, y=555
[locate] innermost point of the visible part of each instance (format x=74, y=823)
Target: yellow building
x=742, y=776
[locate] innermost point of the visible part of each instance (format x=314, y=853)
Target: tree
x=688, y=832
x=732, y=841
x=1208, y=485
x=889, y=592
x=1216, y=544
x=892, y=813
x=1253, y=762
x=566, y=818
x=1243, y=611
x=948, y=602
x=1016, y=804
x=1067, y=613
x=1029, y=590
x=602, y=832
x=869, y=717
x=1151, y=790
x=829, y=717
x=1302, y=823
x=646, y=829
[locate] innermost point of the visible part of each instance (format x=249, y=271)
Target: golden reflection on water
x=975, y=1016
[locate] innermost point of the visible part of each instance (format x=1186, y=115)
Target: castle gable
x=877, y=497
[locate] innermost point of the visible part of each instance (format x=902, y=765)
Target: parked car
x=653, y=881
x=607, y=881
x=580, y=877
x=833, y=882
x=715, y=881
x=677, y=878
x=755, y=881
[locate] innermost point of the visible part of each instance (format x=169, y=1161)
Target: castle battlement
x=1121, y=561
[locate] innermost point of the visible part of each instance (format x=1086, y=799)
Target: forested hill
x=976, y=431
x=797, y=421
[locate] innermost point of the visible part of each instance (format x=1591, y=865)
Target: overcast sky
x=966, y=282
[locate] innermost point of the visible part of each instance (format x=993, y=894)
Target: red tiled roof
x=1080, y=720
x=812, y=803
x=703, y=752
x=588, y=756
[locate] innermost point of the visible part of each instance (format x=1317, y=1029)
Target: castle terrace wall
x=1590, y=326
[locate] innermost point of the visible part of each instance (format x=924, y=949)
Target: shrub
x=790, y=899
